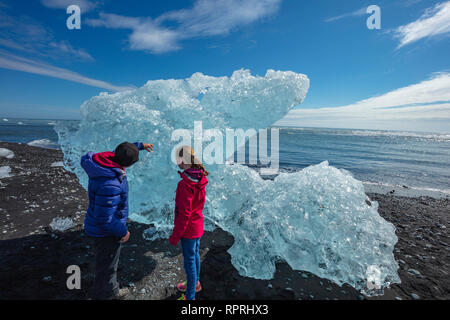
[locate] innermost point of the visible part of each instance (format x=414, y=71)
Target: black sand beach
x=34, y=259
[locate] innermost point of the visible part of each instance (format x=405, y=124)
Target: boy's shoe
x=122, y=294
x=182, y=287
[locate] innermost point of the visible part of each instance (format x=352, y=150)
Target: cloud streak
x=434, y=22
x=357, y=13
x=206, y=18
x=27, y=35
x=425, y=102
x=13, y=62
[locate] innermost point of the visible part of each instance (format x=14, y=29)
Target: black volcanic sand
x=34, y=259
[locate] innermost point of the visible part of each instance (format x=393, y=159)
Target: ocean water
x=412, y=163
x=39, y=133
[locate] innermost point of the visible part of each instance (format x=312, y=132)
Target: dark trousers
x=107, y=253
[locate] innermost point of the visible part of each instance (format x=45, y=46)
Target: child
x=107, y=213
x=189, y=203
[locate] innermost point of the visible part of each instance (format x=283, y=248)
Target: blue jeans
x=191, y=262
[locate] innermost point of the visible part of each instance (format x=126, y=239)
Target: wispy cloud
x=435, y=21
x=206, y=18
x=85, y=5
x=28, y=35
x=13, y=62
x=428, y=100
x=356, y=13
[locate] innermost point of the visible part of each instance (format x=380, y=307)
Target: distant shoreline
x=370, y=187
x=272, y=126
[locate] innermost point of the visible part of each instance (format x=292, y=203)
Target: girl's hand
x=173, y=241
x=148, y=147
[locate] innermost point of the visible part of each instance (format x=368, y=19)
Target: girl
x=189, y=203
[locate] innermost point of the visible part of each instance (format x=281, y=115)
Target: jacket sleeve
x=106, y=211
x=183, y=211
x=140, y=146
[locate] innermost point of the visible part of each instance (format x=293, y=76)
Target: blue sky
x=397, y=77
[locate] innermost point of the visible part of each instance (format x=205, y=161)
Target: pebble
x=304, y=276
x=415, y=296
x=269, y=286
x=143, y=291
x=414, y=272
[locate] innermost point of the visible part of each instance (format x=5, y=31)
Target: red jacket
x=189, y=203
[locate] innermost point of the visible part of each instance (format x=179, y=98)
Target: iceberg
x=316, y=219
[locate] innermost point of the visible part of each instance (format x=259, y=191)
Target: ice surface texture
x=316, y=219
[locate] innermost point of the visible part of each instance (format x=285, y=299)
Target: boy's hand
x=148, y=147
x=125, y=239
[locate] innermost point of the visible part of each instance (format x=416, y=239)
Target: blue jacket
x=107, y=213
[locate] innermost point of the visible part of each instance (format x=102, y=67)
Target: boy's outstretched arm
x=144, y=146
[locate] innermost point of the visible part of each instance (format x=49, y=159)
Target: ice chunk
x=6, y=153
x=61, y=224
x=6, y=120
x=43, y=143
x=316, y=220
x=57, y=164
x=5, y=172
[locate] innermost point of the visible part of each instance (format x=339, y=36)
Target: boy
x=107, y=214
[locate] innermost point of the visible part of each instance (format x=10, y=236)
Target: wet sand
x=34, y=259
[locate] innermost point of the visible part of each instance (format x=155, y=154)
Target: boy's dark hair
x=126, y=154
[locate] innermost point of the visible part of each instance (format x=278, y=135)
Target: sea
x=404, y=163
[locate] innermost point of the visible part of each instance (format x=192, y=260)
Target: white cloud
x=146, y=35
x=13, y=62
x=205, y=18
x=356, y=13
x=424, y=105
x=435, y=21
x=85, y=5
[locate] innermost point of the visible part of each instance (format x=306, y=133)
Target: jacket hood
x=95, y=170
x=106, y=159
x=199, y=183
